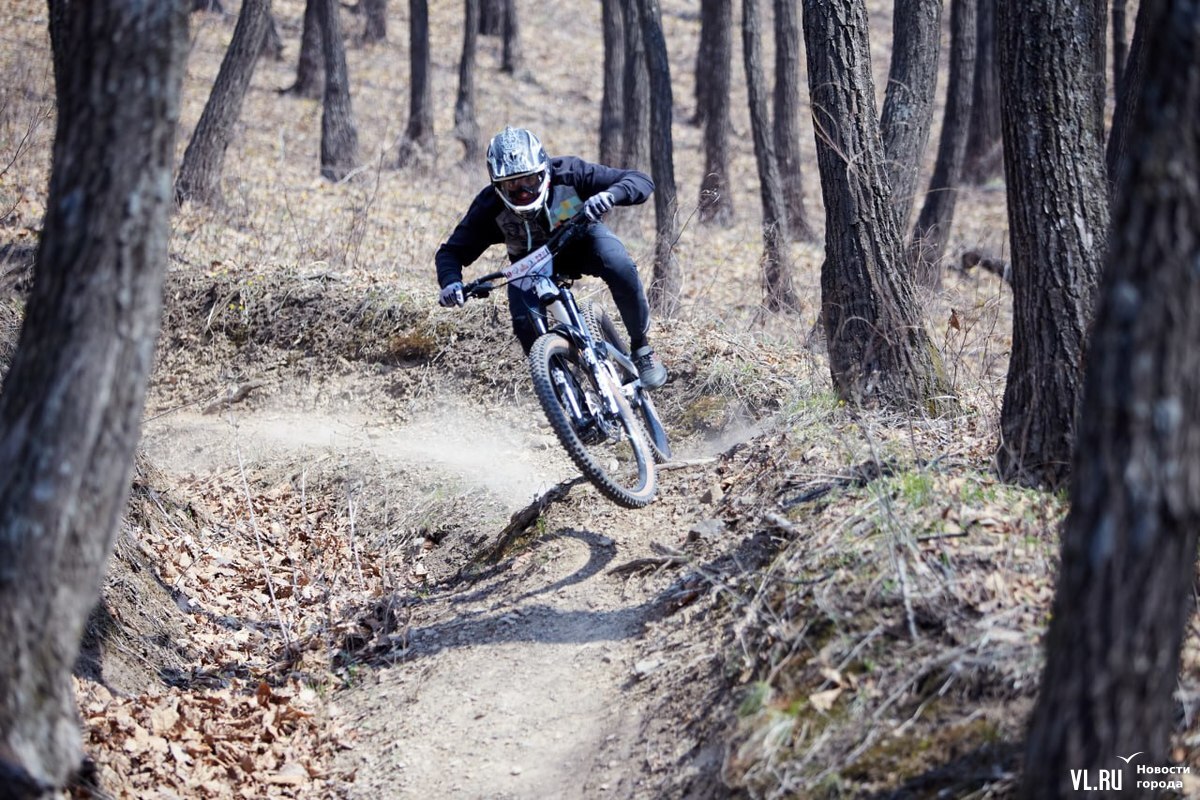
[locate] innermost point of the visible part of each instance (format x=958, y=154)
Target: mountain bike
x=584, y=378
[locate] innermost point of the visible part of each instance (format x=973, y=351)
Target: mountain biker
x=531, y=194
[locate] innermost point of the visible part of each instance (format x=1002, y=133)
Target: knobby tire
x=552, y=350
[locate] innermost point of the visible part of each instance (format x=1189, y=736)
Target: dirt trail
x=513, y=681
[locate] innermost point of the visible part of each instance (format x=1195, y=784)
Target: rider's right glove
x=452, y=295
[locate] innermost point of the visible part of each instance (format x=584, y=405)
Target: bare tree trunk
x=491, y=17
x=787, y=117
x=199, y=178
x=1058, y=221
x=879, y=350
x=1120, y=46
x=667, y=285
x=510, y=54
x=716, y=196
x=1128, y=99
x=636, y=102
x=779, y=294
x=375, y=28
x=310, y=67
x=614, y=67
x=716, y=22
x=466, y=128
x=1125, y=587
x=933, y=224
x=272, y=42
x=985, y=149
x=339, y=136
x=73, y=396
x=908, y=104
x=417, y=147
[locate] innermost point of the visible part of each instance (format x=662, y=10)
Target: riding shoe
x=650, y=367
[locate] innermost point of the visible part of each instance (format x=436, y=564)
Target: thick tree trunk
x=879, y=350
x=614, y=69
x=985, y=149
x=339, y=136
x=716, y=197
x=779, y=293
x=929, y=236
x=375, y=28
x=787, y=117
x=199, y=178
x=417, y=147
x=1125, y=587
x=1058, y=221
x=466, y=128
x=908, y=103
x=667, y=285
x=310, y=67
x=72, y=400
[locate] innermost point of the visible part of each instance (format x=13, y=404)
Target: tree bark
x=310, y=66
x=199, y=178
x=510, y=54
x=636, y=102
x=908, y=103
x=1120, y=46
x=1127, y=99
x=1125, y=587
x=928, y=243
x=667, y=285
x=375, y=27
x=417, y=147
x=339, y=136
x=1058, y=221
x=491, y=17
x=466, y=127
x=879, y=350
x=985, y=150
x=787, y=117
x=716, y=197
x=73, y=396
x=614, y=68
x=779, y=293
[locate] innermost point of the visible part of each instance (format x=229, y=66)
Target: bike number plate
x=537, y=264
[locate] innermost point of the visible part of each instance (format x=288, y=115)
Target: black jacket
x=488, y=221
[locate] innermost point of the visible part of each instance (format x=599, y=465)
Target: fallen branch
x=521, y=520
x=238, y=394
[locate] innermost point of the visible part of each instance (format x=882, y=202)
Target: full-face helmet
x=519, y=169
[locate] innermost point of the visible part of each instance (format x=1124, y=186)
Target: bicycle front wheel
x=608, y=446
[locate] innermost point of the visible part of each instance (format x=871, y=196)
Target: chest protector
x=523, y=235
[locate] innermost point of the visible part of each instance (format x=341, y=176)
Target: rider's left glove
x=452, y=295
x=598, y=205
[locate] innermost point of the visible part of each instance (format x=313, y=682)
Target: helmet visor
x=522, y=190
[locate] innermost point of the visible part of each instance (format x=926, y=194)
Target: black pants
x=596, y=251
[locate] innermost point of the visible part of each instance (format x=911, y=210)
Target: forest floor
x=357, y=564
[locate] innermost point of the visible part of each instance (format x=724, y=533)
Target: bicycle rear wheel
x=603, y=329
x=610, y=448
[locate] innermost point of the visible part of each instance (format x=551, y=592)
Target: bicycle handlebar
x=482, y=286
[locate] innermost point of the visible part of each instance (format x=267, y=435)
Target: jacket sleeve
x=476, y=232
x=629, y=187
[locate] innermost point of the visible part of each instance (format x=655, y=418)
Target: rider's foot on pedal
x=650, y=367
